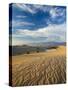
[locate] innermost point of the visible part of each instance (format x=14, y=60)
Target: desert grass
x=41, y=68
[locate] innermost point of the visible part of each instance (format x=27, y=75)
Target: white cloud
x=51, y=33
x=21, y=23
x=20, y=16
x=57, y=12
x=25, y=8
x=17, y=41
x=53, y=13
x=32, y=8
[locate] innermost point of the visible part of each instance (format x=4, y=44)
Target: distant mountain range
x=46, y=44
x=43, y=44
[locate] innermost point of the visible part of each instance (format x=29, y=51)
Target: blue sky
x=32, y=23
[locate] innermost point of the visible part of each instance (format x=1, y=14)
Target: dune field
x=39, y=68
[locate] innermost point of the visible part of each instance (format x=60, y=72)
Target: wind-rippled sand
x=39, y=68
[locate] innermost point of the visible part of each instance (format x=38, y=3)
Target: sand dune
x=39, y=68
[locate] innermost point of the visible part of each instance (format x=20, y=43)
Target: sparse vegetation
x=28, y=52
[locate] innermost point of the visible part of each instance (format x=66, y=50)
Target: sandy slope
x=40, y=68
